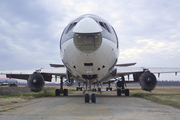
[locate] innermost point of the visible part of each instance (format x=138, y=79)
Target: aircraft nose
x=87, y=25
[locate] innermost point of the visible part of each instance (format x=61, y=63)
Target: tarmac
x=108, y=106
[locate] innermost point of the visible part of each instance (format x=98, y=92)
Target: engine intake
x=148, y=81
x=35, y=82
x=119, y=85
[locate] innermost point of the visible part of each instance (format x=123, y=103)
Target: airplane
x=89, y=50
x=10, y=82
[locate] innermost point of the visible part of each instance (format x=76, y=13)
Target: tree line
x=168, y=83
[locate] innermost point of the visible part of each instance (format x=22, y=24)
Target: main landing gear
x=109, y=87
x=79, y=88
x=121, y=89
x=94, y=89
x=59, y=91
x=90, y=96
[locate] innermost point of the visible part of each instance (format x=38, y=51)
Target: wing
x=133, y=70
x=145, y=76
x=24, y=74
x=128, y=70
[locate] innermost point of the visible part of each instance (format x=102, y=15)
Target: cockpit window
x=87, y=42
x=104, y=25
x=71, y=26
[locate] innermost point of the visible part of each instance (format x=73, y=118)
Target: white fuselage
x=89, y=49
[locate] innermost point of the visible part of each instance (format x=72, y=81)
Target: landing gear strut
x=59, y=91
x=94, y=89
x=90, y=96
x=109, y=87
x=99, y=89
x=122, y=90
x=79, y=88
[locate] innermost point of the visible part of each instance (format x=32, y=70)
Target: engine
x=35, y=82
x=148, y=81
x=119, y=84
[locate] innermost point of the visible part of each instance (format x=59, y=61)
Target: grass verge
x=9, y=99
x=164, y=95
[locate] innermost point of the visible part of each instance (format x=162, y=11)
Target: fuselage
x=89, y=48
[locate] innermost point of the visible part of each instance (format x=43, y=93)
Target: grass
x=11, y=98
x=164, y=95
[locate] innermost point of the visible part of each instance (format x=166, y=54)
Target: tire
x=86, y=98
x=110, y=89
x=106, y=89
x=57, y=92
x=118, y=92
x=99, y=89
x=77, y=88
x=95, y=90
x=65, y=92
x=93, y=98
x=81, y=89
x=127, y=92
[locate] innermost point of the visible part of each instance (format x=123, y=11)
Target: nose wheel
x=92, y=98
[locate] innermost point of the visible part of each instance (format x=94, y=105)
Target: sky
x=148, y=30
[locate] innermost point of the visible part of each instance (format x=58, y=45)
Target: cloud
x=148, y=31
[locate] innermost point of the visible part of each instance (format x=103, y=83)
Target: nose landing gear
x=90, y=96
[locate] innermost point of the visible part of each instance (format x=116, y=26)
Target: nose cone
x=87, y=25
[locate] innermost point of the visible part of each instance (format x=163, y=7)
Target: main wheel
x=93, y=98
x=118, y=92
x=57, y=92
x=77, y=88
x=65, y=92
x=127, y=92
x=94, y=89
x=106, y=89
x=99, y=89
x=81, y=89
x=110, y=89
x=86, y=98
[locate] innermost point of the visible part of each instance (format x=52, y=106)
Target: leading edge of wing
x=155, y=70
x=163, y=70
x=53, y=71
x=129, y=70
x=56, y=65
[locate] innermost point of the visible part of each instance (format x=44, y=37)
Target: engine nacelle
x=119, y=85
x=35, y=82
x=148, y=81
